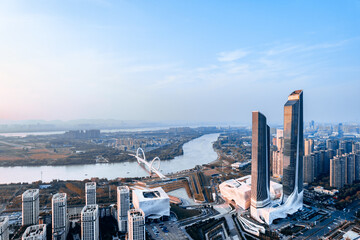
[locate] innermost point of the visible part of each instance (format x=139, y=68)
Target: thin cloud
x=232, y=56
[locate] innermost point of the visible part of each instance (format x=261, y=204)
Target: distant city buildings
x=4, y=228
x=30, y=207
x=90, y=222
x=136, y=224
x=90, y=193
x=81, y=134
x=59, y=216
x=344, y=169
x=35, y=232
x=123, y=206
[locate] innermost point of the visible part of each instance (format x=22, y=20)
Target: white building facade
x=4, y=228
x=136, y=224
x=123, y=206
x=59, y=216
x=30, y=207
x=90, y=193
x=90, y=222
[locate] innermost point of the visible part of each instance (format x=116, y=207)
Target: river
x=196, y=152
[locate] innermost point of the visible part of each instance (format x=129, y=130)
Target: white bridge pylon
x=151, y=166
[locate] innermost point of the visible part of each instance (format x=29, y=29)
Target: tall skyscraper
x=59, y=216
x=90, y=222
x=123, y=206
x=4, y=228
x=90, y=192
x=33, y=232
x=260, y=163
x=30, y=207
x=136, y=224
x=293, y=146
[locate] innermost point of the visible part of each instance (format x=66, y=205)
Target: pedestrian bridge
x=152, y=166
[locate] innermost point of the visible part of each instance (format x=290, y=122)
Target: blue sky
x=178, y=60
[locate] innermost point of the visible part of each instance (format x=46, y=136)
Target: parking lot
x=165, y=230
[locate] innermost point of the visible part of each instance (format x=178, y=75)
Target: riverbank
x=195, y=152
x=111, y=155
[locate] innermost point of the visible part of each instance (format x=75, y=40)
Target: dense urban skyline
x=172, y=60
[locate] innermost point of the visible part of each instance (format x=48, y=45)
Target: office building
x=4, y=228
x=136, y=224
x=30, y=207
x=35, y=232
x=260, y=163
x=123, y=206
x=59, y=216
x=293, y=150
x=90, y=191
x=90, y=222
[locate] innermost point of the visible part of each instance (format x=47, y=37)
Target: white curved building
x=155, y=203
x=239, y=191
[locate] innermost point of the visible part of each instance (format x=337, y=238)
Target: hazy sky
x=178, y=60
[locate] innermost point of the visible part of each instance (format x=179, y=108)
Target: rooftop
x=35, y=230
x=89, y=208
x=295, y=95
x=136, y=213
x=124, y=189
x=30, y=192
x=3, y=219
x=146, y=194
x=90, y=184
x=59, y=196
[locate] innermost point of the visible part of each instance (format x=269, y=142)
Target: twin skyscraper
x=262, y=208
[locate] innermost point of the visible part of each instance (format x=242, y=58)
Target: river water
x=196, y=152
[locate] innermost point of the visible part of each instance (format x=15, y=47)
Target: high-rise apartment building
x=90, y=222
x=30, y=207
x=260, y=163
x=293, y=147
x=346, y=145
x=309, y=146
x=337, y=172
x=90, y=193
x=349, y=168
x=59, y=216
x=4, y=228
x=123, y=206
x=309, y=168
x=35, y=232
x=136, y=224
x=356, y=147
x=332, y=144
